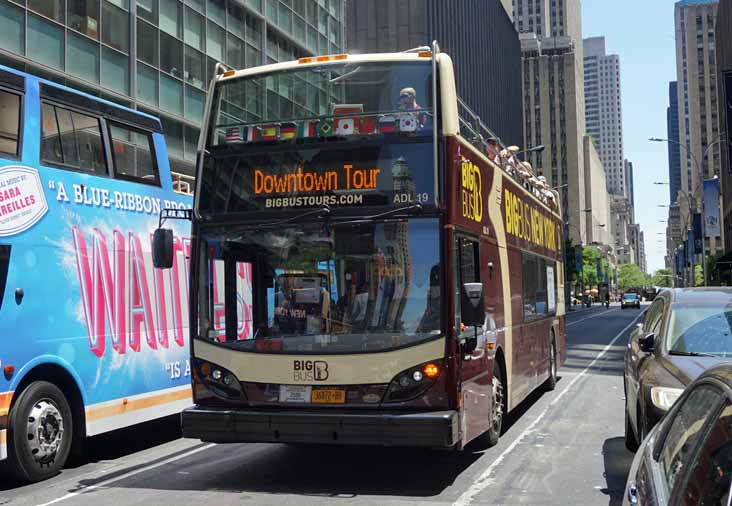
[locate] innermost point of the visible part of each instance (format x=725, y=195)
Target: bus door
x=474, y=374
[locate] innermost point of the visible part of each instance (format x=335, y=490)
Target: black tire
x=631, y=441
x=41, y=409
x=551, y=382
x=490, y=437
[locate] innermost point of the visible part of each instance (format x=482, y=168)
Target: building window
x=194, y=31
x=84, y=17
x=216, y=11
x=195, y=68
x=171, y=14
x=148, y=10
x=46, y=42
x=115, y=27
x=83, y=58
x=12, y=28
x=115, y=71
x=53, y=9
x=215, y=41
x=171, y=95
x=147, y=84
x=147, y=43
x=171, y=55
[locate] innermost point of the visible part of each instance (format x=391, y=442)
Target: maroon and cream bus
x=369, y=265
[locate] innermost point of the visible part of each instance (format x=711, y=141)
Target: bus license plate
x=295, y=393
x=329, y=396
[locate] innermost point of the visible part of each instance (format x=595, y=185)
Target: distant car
x=630, y=300
x=687, y=458
x=686, y=330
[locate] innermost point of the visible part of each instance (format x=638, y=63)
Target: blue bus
x=92, y=337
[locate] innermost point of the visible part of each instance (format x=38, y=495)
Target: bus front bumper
x=438, y=429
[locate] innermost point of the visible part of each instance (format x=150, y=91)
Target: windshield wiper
x=409, y=210
x=689, y=353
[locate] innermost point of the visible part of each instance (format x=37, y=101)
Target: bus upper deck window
x=9, y=123
x=132, y=151
x=71, y=139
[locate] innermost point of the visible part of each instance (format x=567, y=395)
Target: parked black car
x=687, y=458
x=686, y=331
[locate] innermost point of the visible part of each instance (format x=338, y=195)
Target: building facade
x=554, y=117
x=597, y=198
x=674, y=149
x=697, y=97
x=492, y=50
x=549, y=18
x=724, y=88
x=158, y=56
x=603, y=112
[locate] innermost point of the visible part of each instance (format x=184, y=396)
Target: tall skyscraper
x=630, y=190
x=603, y=113
x=699, y=124
x=549, y=18
x=158, y=56
x=554, y=116
x=674, y=150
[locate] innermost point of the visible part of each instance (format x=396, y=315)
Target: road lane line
x=593, y=316
x=127, y=475
x=484, y=480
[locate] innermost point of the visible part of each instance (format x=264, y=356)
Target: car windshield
x=706, y=329
x=629, y=296
x=325, y=288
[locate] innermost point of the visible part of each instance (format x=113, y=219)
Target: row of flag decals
x=384, y=124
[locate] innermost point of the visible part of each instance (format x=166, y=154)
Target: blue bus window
x=132, y=151
x=71, y=139
x=4, y=264
x=9, y=123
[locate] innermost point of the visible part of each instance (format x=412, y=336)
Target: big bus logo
x=309, y=370
x=471, y=191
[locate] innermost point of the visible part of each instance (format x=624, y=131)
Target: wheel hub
x=45, y=430
x=497, y=408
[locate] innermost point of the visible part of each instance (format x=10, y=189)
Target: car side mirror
x=472, y=305
x=647, y=342
x=163, y=248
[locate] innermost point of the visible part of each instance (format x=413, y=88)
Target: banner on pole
x=697, y=233
x=711, y=208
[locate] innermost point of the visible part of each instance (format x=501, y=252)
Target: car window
x=72, y=139
x=683, y=434
x=133, y=153
x=708, y=482
x=654, y=316
x=703, y=328
x=9, y=123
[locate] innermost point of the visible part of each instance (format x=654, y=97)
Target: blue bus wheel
x=40, y=430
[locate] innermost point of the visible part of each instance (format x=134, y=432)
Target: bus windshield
x=324, y=288
x=324, y=101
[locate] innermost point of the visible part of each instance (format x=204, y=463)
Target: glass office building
x=158, y=56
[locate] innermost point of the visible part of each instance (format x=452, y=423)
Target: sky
x=641, y=32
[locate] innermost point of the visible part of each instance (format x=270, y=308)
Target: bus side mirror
x=163, y=248
x=647, y=342
x=472, y=305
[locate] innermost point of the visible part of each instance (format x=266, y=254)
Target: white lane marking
x=484, y=480
x=127, y=475
x=593, y=316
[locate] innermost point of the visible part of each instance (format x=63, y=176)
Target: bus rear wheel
x=40, y=430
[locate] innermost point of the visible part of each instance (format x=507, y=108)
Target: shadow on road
x=617, y=465
x=113, y=445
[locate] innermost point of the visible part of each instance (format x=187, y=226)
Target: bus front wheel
x=498, y=408
x=40, y=430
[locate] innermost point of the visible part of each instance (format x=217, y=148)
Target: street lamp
x=692, y=198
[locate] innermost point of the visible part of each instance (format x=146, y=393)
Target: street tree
x=662, y=277
x=630, y=276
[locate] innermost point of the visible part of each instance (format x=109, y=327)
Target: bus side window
x=72, y=139
x=4, y=267
x=133, y=154
x=467, y=271
x=9, y=123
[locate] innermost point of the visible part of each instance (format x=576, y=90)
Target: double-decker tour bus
x=92, y=338
x=367, y=266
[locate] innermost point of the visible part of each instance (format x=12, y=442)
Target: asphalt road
x=560, y=448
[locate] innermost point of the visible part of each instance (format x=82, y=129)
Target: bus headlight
x=218, y=379
x=414, y=381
